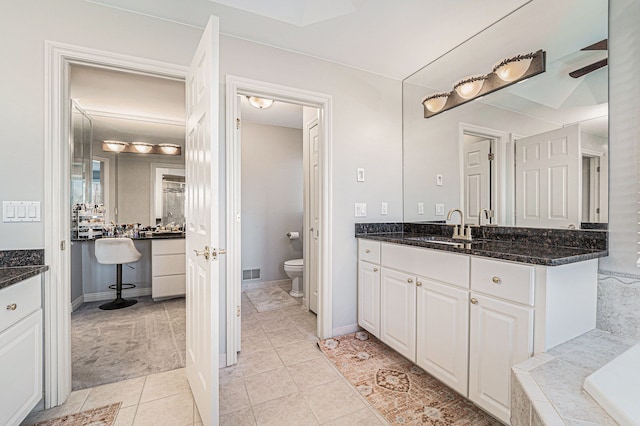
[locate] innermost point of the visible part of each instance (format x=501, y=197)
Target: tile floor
x=281, y=378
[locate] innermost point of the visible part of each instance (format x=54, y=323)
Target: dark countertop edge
x=154, y=237
x=532, y=260
x=20, y=273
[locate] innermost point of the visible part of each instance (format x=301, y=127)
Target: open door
x=548, y=179
x=477, y=178
x=202, y=233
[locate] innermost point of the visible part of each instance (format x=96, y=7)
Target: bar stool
x=116, y=251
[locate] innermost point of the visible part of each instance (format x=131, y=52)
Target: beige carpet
x=101, y=416
x=271, y=298
x=400, y=391
x=111, y=346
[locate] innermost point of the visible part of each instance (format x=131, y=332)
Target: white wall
x=272, y=205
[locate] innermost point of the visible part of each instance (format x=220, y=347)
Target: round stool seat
x=112, y=251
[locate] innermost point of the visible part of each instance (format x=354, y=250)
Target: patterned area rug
x=101, y=416
x=270, y=298
x=402, y=392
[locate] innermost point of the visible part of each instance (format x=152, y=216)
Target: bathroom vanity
x=21, y=331
x=467, y=312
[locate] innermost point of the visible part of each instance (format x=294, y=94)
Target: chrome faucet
x=486, y=215
x=461, y=233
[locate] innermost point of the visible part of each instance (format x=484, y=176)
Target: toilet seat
x=293, y=263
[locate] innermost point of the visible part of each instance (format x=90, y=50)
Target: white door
x=314, y=203
x=501, y=336
x=477, y=179
x=202, y=224
x=548, y=169
x=398, y=312
x=442, y=333
x=369, y=297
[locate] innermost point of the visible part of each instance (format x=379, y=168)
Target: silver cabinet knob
x=474, y=301
x=12, y=307
x=496, y=280
x=375, y=269
x=409, y=280
x=367, y=251
x=418, y=283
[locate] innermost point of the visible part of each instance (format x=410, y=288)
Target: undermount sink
x=438, y=240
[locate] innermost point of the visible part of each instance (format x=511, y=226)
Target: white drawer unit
x=369, y=251
x=506, y=280
x=168, y=266
x=19, y=300
x=20, y=350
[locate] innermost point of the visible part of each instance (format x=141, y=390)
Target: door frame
x=499, y=173
x=57, y=281
x=307, y=219
x=243, y=86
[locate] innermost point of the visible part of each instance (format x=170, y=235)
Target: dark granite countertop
x=16, y=274
x=538, y=249
x=155, y=236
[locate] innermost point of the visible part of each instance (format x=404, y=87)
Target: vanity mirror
x=533, y=153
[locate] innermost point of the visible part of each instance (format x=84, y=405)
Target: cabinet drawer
x=169, y=264
x=25, y=295
x=369, y=251
x=441, y=266
x=509, y=281
x=176, y=246
x=173, y=285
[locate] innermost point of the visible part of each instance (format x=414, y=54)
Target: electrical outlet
x=439, y=179
x=360, y=174
x=384, y=208
x=439, y=209
x=361, y=209
x=420, y=208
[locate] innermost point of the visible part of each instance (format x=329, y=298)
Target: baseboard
x=108, y=295
x=77, y=302
x=263, y=284
x=346, y=329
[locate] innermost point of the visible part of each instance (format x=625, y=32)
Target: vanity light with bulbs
x=467, y=312
x=141, y=148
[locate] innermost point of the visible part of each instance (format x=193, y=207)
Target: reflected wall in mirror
x=535, y=153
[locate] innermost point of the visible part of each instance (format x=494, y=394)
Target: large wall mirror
x=534, y=154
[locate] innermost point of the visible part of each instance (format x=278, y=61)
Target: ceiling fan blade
x=601, y=45
x=589, y=68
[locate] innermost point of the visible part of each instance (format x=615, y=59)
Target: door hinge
x=491, y=156
x=598, y=169
x=598, y=210
x=63, y=245
x=237, y=311
x=237, y=123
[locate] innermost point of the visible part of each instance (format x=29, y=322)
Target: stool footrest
x=124, y=286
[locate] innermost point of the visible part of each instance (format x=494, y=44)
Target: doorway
x=237, y=89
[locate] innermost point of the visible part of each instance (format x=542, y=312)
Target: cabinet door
x=398, y=312
x=369, y=297
x=443, y=332
x=21, y=369
x=501, y=336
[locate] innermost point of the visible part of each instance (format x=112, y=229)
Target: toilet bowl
x=294, y=269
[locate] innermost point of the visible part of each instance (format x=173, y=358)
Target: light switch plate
x=439, y=209
x=360, y=174
x=21, y=211
x=384, y=208
x=439, y=179
x=361, y=209
x=420, y=208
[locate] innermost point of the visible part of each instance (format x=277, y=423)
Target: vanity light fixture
x=115, y=146
x=435, y=102
x=505, y=73
x=170, y=149
x=469, y=87
x=260, y=103
x=142, y=147
x=511, y=69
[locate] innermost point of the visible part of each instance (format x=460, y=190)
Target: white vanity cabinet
x=467, y=320
x=20, y=349
x=168, y=268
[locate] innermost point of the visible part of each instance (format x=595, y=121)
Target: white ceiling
x=391, y=38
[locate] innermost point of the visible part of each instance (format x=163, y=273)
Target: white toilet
x=294, y=269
